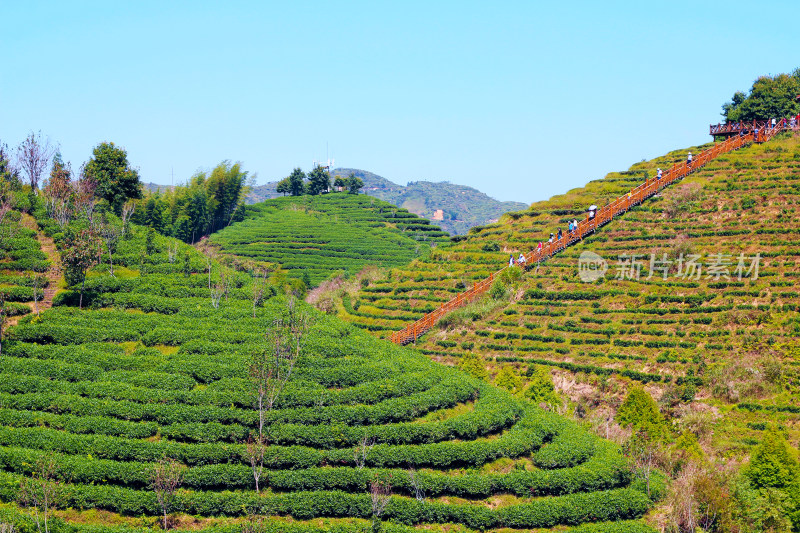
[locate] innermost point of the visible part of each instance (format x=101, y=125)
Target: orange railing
x=736, y=127
x=588, y=225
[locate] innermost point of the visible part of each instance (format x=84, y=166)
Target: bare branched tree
x=127, y=212
x=172, y=251
x=225, y=281
x=37, y=294
x=85, y=200
x=643, y=454
x=165, y=478
x=255, y=449
x=380, y=491
x=110, y=234
x=217, y=292
x=59, y=192
x=683, y=508
x=41, y=491
x=361, y=451
x=270, y=371
x=419, y=492
x=33, y=156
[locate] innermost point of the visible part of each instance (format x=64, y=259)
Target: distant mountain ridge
x=454, y=208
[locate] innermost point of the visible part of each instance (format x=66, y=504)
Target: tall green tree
x=116, y=180
x=540, y=388
x=297, y=182
x=772, y=463
x=319, y=181
x=774, y=472
x=153, y=213
x=209, y=202
x=198, y=212
x=640, y=412
x=283, y=187
x=475, y=365
x=354, y=184
x=770, y=97
x=227, y=187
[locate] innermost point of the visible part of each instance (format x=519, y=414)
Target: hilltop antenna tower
x=327, y=164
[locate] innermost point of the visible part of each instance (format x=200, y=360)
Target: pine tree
x=640, y=412
x=772, y=464
x=474, y=365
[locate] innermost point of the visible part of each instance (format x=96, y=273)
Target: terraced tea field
x=734, y=340
x=23, y=266
x=322, y=235
x=151, y=371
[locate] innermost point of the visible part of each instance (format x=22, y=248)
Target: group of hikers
x=572, y=226
x=572, y=229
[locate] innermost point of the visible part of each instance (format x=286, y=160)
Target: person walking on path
x=511, y=260
x=689, y=159
x=521, y=261
x=659, y=174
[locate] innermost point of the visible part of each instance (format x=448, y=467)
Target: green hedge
x=615, y=504
x=606, y=469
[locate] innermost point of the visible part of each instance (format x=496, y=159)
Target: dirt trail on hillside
x=53, y=273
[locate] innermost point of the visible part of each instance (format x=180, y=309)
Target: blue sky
x=521, y=100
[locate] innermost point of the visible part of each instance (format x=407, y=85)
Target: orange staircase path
x=603, y=216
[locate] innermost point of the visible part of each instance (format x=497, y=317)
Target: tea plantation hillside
x=720, y=350
x=154, y=371
x=322, y=235
x=461, y=207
